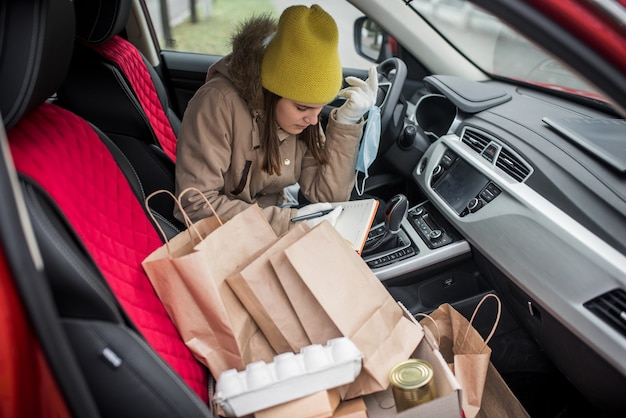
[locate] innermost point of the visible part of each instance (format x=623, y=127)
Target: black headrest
x=100, y=20
x=36, y=41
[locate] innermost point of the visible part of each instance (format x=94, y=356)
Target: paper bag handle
x=219, y=220
x=495, y=324
x=188, y=222
x=190, y=225
x=435, y=323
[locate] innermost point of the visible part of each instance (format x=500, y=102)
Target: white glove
x=317, y=207
x=361, y=96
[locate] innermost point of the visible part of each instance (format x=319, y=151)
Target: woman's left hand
x=360, y=97
x=318, y=207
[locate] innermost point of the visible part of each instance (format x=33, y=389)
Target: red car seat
x=113, y=86
x=85, y=204
x=137, y=103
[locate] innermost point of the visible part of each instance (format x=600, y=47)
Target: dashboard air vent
x=610, y=307
x=512, y=165
x=476, y=140
x=490, y=148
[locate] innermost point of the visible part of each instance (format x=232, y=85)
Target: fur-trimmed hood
x=242, y=65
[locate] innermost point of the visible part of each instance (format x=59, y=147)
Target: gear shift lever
x=395, y=212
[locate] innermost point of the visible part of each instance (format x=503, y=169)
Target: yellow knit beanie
x=301, y=62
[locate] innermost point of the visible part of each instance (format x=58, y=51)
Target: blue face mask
x=368, y=148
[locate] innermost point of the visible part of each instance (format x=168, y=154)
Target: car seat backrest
x=111, y=84
x=64, y=156
x=127, y=58
x=23, y=86
x=89, y=217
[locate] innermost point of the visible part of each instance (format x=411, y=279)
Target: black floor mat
x=549, y=395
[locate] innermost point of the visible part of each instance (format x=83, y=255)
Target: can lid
x=411, y=374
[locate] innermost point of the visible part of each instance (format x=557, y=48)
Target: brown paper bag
x=318, y=405
x=335, y=294
x=465, y=350
x=260, y=291
x=447, y=390
x=498, y=399
x=188, y=274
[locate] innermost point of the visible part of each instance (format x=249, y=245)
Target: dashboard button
x=490, y=152
x=438, y=170
x=487, y=196
x=493, y=189
x=447, y=159
x=474, y=205
x=435, y=234
x=418, y=211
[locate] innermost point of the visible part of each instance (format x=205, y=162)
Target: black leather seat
x=112, y=85
x=91, y=228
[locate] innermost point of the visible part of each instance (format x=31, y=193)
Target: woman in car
x=253, y=128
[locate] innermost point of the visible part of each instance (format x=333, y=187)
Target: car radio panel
x=461, y=186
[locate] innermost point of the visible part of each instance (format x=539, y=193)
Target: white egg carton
x=290, y=376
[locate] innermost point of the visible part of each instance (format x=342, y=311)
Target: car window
x=208, y=29
x=495, y=47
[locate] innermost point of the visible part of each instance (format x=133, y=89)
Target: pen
x=312, y=215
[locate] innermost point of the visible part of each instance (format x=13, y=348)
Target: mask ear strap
x=356, y=183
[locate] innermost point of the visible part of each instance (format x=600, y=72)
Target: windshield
x=496, y=48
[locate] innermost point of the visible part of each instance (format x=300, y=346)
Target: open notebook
x=355, y=221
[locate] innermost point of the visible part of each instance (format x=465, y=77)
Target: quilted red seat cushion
x=128, y=59
x=62, y=153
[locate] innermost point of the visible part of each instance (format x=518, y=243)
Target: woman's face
x=294, y=117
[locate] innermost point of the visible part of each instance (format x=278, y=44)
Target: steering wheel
x=392, y=74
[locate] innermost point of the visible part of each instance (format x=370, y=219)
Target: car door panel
x=184, y=73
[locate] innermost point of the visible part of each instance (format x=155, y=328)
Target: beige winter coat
x=219, y=150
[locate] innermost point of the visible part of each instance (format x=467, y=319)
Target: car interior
x=91, y=126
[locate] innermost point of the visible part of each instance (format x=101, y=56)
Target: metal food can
x=412, y=383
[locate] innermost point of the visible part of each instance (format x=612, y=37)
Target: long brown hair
x=269, y=138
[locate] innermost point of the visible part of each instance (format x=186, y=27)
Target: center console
x=425, y=239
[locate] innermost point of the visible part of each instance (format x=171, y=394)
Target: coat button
x=286, y=161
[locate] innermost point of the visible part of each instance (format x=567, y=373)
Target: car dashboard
x=546, y=215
